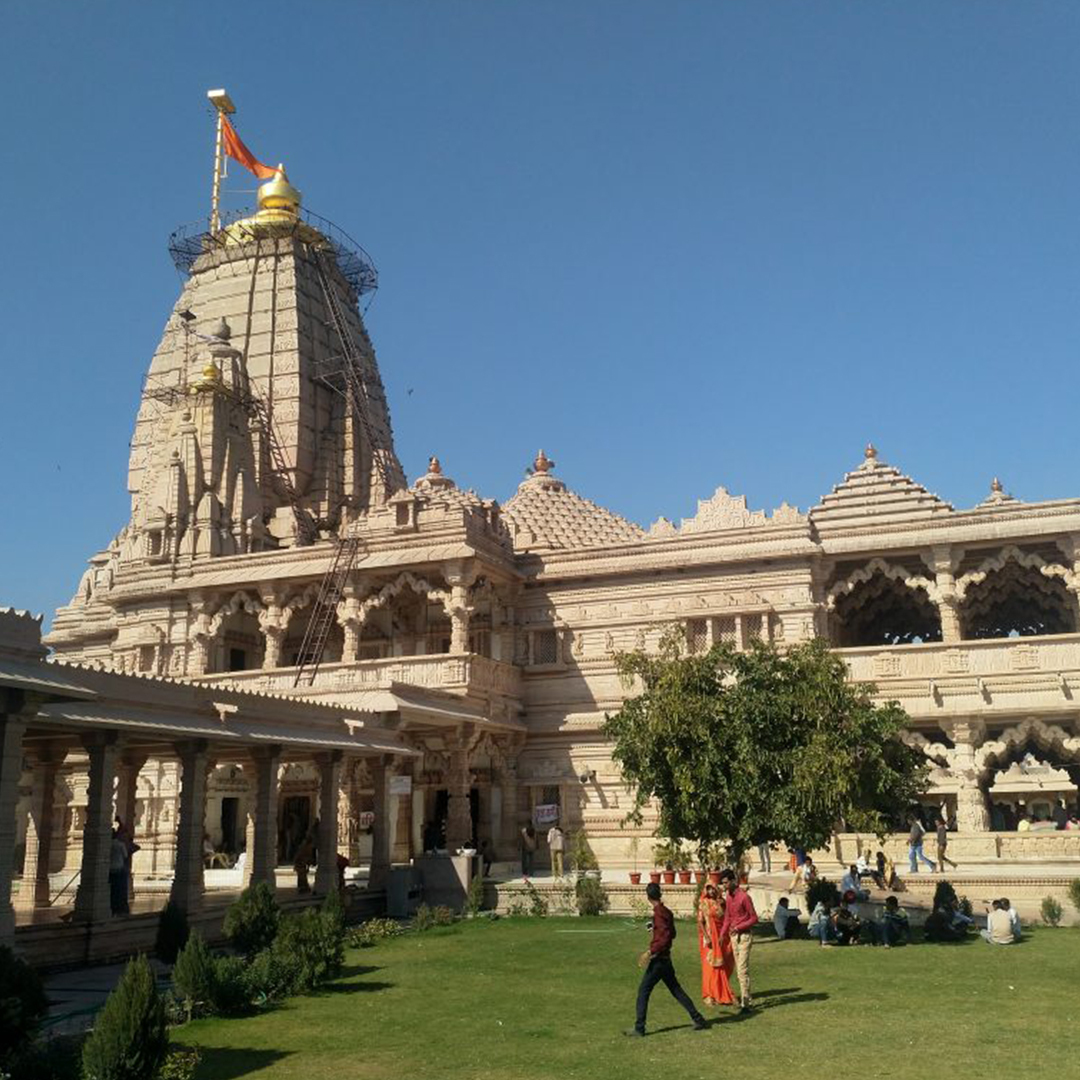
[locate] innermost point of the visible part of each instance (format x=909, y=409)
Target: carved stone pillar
x=92, y=896
x=126, y=794
x=967, y=736
x=187, y=886
x=12, y=730
x=274, y=624
x=459, y=826
x=948, y=603
x=326, y=872
x=46, y=763
x=351, y=621
x=380, y=827
x=262, y=830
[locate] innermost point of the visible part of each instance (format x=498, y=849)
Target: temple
x=286, y=631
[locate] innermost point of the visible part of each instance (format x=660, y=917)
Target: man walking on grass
x=739, y=921
x=656, y=960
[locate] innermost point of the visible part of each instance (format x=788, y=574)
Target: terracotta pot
x=684, y=877
x=654, y=877
x=744, y=879
x=714, y=877
x=699, y=876
x=635, y=878
x=669, y=877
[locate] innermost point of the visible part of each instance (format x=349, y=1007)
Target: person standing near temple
x=528, y=850
x=740, y=917
x=656, y=960
x=942, y=844
x=557, y=844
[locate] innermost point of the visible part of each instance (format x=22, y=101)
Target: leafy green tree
x=742, y=748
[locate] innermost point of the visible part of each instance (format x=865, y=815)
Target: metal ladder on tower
x=347, y=381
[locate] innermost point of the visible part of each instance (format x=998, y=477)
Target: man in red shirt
x=658, y=966
x=739, y=921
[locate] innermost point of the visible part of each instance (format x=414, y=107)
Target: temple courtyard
x=540, y=999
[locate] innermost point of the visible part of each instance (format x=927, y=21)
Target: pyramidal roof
x=876, y=494
x=545, y=515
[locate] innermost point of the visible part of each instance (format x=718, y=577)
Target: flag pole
x=223, y=104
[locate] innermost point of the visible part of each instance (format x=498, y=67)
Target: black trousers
x=661, y=969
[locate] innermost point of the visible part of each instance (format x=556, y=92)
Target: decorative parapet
x=20, y=634
x=726, y=511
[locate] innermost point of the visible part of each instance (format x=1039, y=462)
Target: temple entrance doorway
x=294, y=824
x=230, y=817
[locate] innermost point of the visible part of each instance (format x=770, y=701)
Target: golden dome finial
x=278, y=196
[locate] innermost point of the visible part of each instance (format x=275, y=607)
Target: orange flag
x=235, y=148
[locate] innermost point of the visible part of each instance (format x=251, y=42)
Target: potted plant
x=582, y=859
x=664, y=854
x=654, y=877
x=681, y=861
x=714, y=856
x=635, y=874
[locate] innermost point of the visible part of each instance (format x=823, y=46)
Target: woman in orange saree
x=717, y=956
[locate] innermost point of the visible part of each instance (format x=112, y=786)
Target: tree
x=743, y=748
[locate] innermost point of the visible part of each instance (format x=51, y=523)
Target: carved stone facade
x=485, y=633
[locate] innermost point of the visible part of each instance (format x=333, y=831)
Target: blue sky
x=675, y=244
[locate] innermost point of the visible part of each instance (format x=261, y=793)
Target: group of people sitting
x=840, y=924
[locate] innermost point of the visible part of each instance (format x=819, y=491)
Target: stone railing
x=1036, y=848
x=438, y=671
x=967, y=674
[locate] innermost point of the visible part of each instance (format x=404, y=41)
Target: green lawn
x=546, y=999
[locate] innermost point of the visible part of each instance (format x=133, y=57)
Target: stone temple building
x=275, y=548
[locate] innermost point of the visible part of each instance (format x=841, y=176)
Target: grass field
x=543, y=999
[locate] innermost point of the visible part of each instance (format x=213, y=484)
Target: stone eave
x=697, y=550
x=1013, y=522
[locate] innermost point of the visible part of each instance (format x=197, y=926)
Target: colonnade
x=113, y=764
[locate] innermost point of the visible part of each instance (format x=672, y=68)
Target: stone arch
x=882, y=604
x=1016, y=594
x=1048, y=738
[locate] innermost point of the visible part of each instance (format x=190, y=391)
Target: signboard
x=365, y=819
x=400, y=785
x=546, y=814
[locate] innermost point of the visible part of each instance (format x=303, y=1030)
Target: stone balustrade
x=970, y=675
x=440, y=671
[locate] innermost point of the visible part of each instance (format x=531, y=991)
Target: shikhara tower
x=267, y=499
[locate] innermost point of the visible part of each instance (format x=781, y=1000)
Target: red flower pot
x=699, y=876
x=669, y=877
x=635, y=878
x=744, y=879
x=714, y=877
x=654, y=877
x=684, y=877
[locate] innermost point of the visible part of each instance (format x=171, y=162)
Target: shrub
x=1074, y=893
x=230, y=992
x=194, y=976
x=538, y=906
x=474, y=901
x=129, y=1039
x=172, y=933
x=1051, y=911
x=251, y=923
x=270, y=976
x=592, y=897
x=23, y=1003
x=333, y=912
x=822, y=891
x=50, y=1059
x=581, y=854
x=944, y=895
x=180, y=1065
x=310, y=942
x=427, y=917
x=366, y=934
